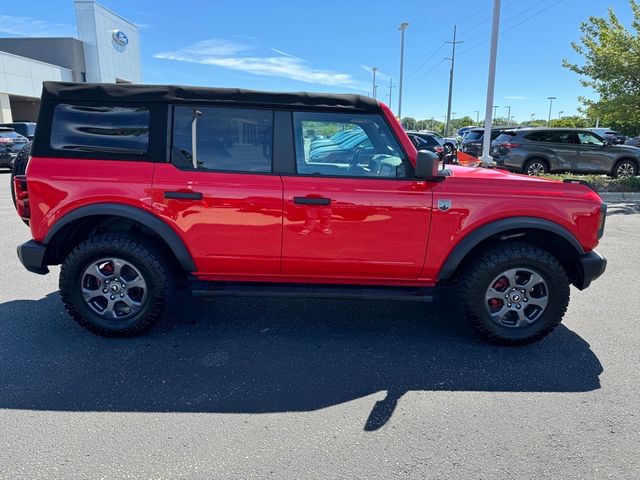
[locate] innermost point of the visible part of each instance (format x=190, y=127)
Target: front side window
x=224, y=139
x=108, y=129
x=586, y=138
x=360, y=145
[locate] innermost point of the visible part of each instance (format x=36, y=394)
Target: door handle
x=183, y=195
x=311, y=201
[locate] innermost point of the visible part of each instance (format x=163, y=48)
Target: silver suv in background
x=539, y=150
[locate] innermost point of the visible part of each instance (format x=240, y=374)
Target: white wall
x=104, y=61
x=23, y=76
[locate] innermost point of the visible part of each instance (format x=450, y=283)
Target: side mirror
x=427, y=164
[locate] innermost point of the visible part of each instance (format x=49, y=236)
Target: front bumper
x=590, y=267
x=32, y=256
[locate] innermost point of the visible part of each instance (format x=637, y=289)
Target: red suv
x=138, y=189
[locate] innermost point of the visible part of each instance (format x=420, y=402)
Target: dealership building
x=107, y=49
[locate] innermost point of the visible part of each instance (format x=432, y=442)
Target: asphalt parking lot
x=291, y=389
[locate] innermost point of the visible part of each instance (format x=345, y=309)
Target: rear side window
x=550, y=136
x=473, y=136
x=505, y=137
x=222, y=139
x=108, y=129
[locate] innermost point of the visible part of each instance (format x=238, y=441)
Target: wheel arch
x=622, y=157
x=537, y=156
x=546, y=234
x=75, y=226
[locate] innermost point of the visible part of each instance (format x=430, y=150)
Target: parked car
x=463, y=130
x=427, y=141
x=446, y=141
x=473, y=139
x=611, y=136
x=539, y=150
x=235, y=205
x=633, y=142
x=11, y=143
x=26, y=129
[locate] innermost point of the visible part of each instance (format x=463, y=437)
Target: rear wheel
x=535, y=166
x=625, y=169
x=514, y=293
x=115, y=285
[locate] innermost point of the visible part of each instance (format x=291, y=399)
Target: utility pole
x=477, y=112
x=391, y=87
x=495, y=111
x=508, y=114
x=551, y=99
x=402, y=28
x=491, y=81
x=453, y=63
x=373, y=89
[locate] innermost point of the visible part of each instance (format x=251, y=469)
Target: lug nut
x=112, y=297
x=508, y=304
x=106, y=281
x=104, y=290
x=124, y=286
x=518, y=306
x=122, y=294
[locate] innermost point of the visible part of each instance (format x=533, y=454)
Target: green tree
x=611, y=64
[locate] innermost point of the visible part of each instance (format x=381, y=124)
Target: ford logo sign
x=120, y=38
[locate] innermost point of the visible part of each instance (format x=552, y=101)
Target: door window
x=587, y=138
x=346, y=145
x=222, y=139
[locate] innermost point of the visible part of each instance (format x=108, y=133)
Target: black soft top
x=136, y=93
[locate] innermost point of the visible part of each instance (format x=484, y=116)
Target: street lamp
x=551, y=99
x=508, y=114
x=560, y=114
x=373, y=89
x=532, y=115
x=495, y=111
x=477, y=112
x=402, y=28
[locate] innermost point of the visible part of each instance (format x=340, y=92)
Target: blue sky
x=330, y=45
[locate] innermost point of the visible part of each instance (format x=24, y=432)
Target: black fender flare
x=163, y=230
x=494, y=228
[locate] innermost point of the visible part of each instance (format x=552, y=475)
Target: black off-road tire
x=476, y=277
x=20, y=167
x=138, y=252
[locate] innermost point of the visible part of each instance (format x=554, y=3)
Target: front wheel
x=115, y=285
x=625, y=169
x=514, y=293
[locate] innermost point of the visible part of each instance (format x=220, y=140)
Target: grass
x=602, y=183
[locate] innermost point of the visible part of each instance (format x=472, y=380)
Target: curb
x=613, y=197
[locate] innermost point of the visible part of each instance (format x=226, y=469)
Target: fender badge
x=444, y=205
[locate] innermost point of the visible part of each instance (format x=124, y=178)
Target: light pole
x=493, y=53
x=477, y=112
x=373, y=89
x=532, y=115
x=551, y=99
x=560, y=114
x=508, y=114
x=402, y=28
x=495, y=111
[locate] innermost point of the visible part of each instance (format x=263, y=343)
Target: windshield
x=473, y=135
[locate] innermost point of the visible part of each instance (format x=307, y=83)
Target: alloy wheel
x=625, y=170
x=113, y=288
x=517, y=297
x=535, y=169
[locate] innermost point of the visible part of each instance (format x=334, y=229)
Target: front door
x=219, y=191
x=353, y=211
x=594, y=157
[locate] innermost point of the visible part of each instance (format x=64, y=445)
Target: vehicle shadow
x=623, y=208
x=270, y=355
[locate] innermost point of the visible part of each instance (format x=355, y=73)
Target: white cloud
x=240, y=57
x=517, y=97
x=30, y=27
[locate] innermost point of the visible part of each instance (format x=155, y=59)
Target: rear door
x=361, y=217
x=219, y=191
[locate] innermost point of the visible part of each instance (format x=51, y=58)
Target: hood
x=495, y=179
